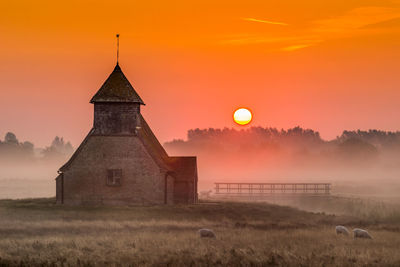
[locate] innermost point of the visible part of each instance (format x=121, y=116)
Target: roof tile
x=117, y=88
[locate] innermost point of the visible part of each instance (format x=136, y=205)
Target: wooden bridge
x=260, y=189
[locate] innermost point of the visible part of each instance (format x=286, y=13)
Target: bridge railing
x=272, y=188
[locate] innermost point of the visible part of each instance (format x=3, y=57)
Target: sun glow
x=242, y=116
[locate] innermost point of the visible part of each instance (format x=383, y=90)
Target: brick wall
x=142, y=181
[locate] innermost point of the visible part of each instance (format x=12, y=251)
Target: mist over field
x=357, y=163
x=27, y=171
x=363, y=163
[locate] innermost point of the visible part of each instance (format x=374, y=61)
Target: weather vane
x=117, y=47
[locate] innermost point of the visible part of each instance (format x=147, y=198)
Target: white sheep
x=340, y=229
x=360, y=233
x=206, y=233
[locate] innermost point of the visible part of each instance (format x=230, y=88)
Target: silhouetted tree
x=10, y=138
x=12, y=150
x=292, y=144
x=355, y=148
x=28, y=148
x=58, y=150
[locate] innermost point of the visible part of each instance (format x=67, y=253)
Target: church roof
x=77, y=151
x=181, y=167
x=117, y=88
x=152, y=145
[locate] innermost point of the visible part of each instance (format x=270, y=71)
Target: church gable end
x=113, y=169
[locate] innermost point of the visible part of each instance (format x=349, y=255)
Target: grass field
x=37, y=232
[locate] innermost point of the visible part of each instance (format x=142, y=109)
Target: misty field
x=37, y=232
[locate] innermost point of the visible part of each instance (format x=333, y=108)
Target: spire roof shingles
x=117, y=88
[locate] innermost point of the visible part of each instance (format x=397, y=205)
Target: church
x=121, y=162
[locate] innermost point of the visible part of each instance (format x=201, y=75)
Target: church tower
x=116, y=106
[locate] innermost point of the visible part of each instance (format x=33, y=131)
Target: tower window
x=114, y=177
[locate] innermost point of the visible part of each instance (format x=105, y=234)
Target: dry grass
x=371, y=210
x=36, y=232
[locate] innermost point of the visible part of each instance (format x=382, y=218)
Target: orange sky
x=325, y=65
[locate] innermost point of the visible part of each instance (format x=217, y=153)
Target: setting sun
x=242, y=116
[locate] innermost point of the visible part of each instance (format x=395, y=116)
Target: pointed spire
x=117, y=68
x=117, y=88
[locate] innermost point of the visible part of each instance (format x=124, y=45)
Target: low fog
x=27, y=171
x=357, y=163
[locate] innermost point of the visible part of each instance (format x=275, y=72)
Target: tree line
x=11, y=149
x=294, y=141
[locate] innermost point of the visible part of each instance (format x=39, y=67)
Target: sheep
x=360, y=233
x=206, y=233
x=342, y=230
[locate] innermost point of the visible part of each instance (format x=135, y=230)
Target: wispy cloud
x=353, y=23
x=391, y=23
x=255, y=39
x=289, y=43
x=296, y=47
x=266, y=21
x=349, y=23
